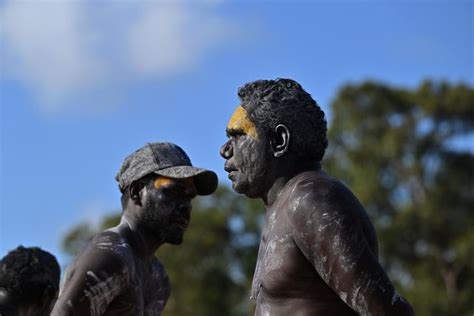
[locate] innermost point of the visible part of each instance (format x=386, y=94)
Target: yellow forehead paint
x=161, y=181
x=240, y=121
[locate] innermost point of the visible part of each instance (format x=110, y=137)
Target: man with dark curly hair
x=29, y=282
x=318, y=250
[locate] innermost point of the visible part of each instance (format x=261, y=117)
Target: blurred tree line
x=405, y=153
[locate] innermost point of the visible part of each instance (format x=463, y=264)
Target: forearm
x=65, y=307
x=353, y=272
x=376, y=298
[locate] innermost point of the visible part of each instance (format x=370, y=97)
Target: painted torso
x=146, y=292
x=124, y=284
x=286, y=281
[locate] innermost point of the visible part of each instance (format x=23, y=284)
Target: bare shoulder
x=108, y=251
x=315, y=190
x=98, y=274
x=316, y=196
x=112, y=242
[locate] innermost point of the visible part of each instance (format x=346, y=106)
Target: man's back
x=318, y=252
x=113, y=281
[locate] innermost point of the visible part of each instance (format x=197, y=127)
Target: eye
x=169, y=191
x=237, y=136
x=178, y=191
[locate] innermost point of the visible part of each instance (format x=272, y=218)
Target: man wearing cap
x=117, y=272
x=318, y=251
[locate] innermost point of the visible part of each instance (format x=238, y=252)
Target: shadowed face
x=167, y=208
x=245, y=153
x=32, y=306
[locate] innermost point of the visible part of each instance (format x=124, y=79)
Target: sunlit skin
x=246, y=164
x=240, y=122
x=117, y=273
x=318, y=249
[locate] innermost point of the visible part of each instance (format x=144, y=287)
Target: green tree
x=211, y=270
x=406, y=155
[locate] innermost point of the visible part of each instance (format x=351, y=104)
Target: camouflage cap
x=164, y=159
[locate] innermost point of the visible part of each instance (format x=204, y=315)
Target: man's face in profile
x=245, y=153
x=167, y=208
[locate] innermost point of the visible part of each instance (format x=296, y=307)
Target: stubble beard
x=253, y=184
x=153, y=221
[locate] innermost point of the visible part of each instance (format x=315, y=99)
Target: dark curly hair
x=283, y=101
x=29, y=275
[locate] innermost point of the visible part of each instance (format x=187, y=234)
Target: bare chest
x=281, y=268
x=146, y=293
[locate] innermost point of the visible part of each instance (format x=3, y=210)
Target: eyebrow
x=173, y=186
x=234, y=131
x=186, y=187
x=177, y=182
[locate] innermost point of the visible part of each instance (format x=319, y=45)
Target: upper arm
x=328, y=230
x=161, y=287
x=95, y=279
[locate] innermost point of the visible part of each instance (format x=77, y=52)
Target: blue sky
x=83, y=85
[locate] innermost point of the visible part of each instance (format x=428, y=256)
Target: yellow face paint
x=162, y=181
x=240, y=122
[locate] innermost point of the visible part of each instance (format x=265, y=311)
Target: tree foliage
x=406, y=154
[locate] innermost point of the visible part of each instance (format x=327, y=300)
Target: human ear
x=135, y=193
x=281, y=140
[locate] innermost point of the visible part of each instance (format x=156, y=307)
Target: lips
x=232, y=175
x=228, y=167
x=231, y=170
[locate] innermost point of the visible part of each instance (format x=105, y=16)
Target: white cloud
x=169, y=38
x=68, y=49
x=47, y=48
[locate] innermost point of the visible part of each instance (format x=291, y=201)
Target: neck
x=141, y=241
x=286, y=171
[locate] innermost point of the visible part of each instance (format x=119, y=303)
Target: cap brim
x=205, y=180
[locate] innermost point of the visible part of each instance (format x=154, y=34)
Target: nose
x=227, y=150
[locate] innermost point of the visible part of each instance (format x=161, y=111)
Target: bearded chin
x=156, y=227
x=153, y=223
x=254, y=184
x=163, y=233
x=174, y=238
